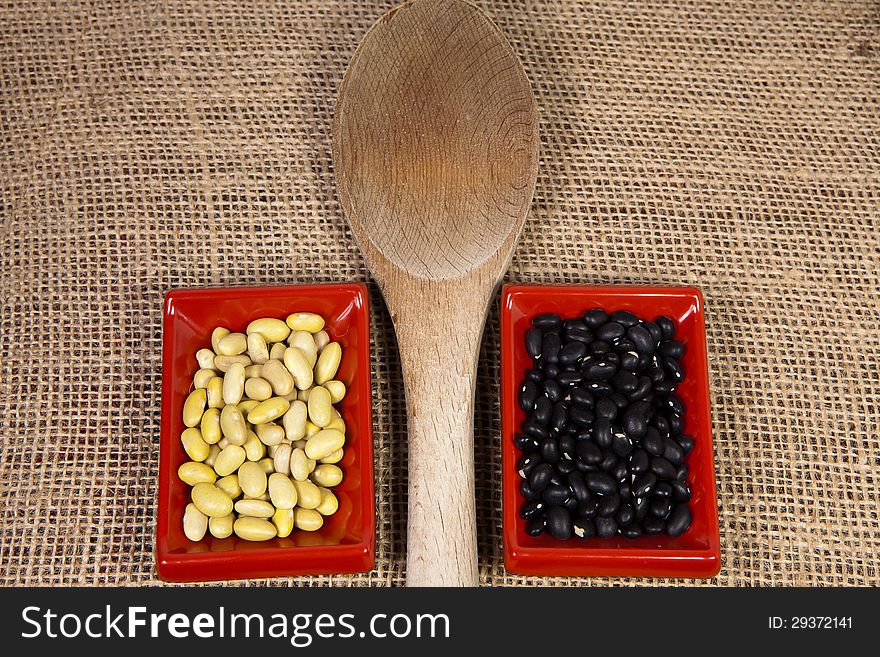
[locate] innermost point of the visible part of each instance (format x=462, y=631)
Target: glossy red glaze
x=697, y=552
x=347, y=542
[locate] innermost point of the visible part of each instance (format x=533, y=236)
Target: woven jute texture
x=732, y=145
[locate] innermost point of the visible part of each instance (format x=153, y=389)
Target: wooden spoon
x=435, y=150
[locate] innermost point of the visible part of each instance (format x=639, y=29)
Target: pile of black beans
x=603, y=451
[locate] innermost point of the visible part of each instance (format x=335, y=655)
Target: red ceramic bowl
x=696, y=553
x=347, y=541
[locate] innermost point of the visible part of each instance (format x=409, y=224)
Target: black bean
x=608, y=505
x=652, y=442
x=608, y=462
x=599, y=482
x=641, y=338
x=672, y=349
x=619, y=471
x=652, y=526
x=661, y=424
x=632, y=531
x=679, y=520
x=539, y=479
x=598, y=347
x=525, y=443
x=665, y=387
x=634, y=423
x=573, y=322
x=583, y=528
x=552, y=390
x=556, y=495
x=534, y=342
x=527, y=463
x=595, y=318
x=535, y=375
x=599, y=388
x=547, y=321
x=680, y=492
x=609, y=331
x=550, y=348
x=619, y=400
x=682, y=473
x=629, y=361
x=589, y=452
x=625, y=491
x=602, y=434
x=655, y=373
x=660, y=507
x=569, y=379
x=624, y=317
x=656, y=333
x=560, y=416
x=551, y=370
x=625, y=381
x=672, y=452
x=644, y=484
x=621, y=445
x=581, y=416
x=578, y=487
x=567, y=446
x=571, y=504
x=535, y=526
x=685, y=442
x=589, y=509
x=642, y=389
x=559, y=522
x=536, y=430
x=526, y=491
x=662, y=468
x=579, y=334
x=572, y=352
x=605, y=527
x=642, y=505
x=557, y=479
x=566, y=466
x=673, y=403
x=639, y=462
x=625, y=346
x=527, y=396
x=550, y=451
x=531, y=509
x=605, y=408
x=583, y=398
x=625, y=514
x=676, y=424
x=599, y=370
x=663, y=489
x=667, y=326
x=543, y=411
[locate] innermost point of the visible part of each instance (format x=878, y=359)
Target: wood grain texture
x=435, y=150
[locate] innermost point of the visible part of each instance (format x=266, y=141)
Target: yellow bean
x=214, y=392
x=258, y=388
x=252, y=479
x=283, y=521
x=232, y=424
x=307, y=494
x=193, y=473
x=270, y=433
x=254, y=529
x=327, y=475
x=304, y=341
x=254, y=508
x=299, y=465
x=218, y=334
x=322, y=339
x=254, y=447
x=194, y=445
x=247, y=406
x=229, y=460
x=195, y=523
x=320, y=406
x=328, y=363
x=253, y=371
x=205, y=359
x=278, y=377
x=329, y=504
x=221, y=527
x=257, y=349
x=282, y=491
x=308, y=520
x=274, y=330
x=223, y=443
x=229, y=485
x=299, y=444
x=211, y=501
x=232, y=345
x=223, y=363
x=233, y=384
x=268, y=465
x=311, y=429
x=298, y=365
x=210, y=426
x=268, y=410
x=337, y=423
x=336, y=390
x=305, y=322
x=277, y=351
x=324, y=443
x=303, y=395
x=194, y=406
x=281, y=459
x=212, y=455
x=201, y=378
x=334, y=457
x=295, y=420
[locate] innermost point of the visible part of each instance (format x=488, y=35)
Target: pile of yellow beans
x=262, y=433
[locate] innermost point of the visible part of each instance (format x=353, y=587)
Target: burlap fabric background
x=730, y=145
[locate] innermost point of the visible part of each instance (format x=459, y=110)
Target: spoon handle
x=439, y=344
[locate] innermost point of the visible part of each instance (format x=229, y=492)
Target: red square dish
x=697, y=552
x=347, y=541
